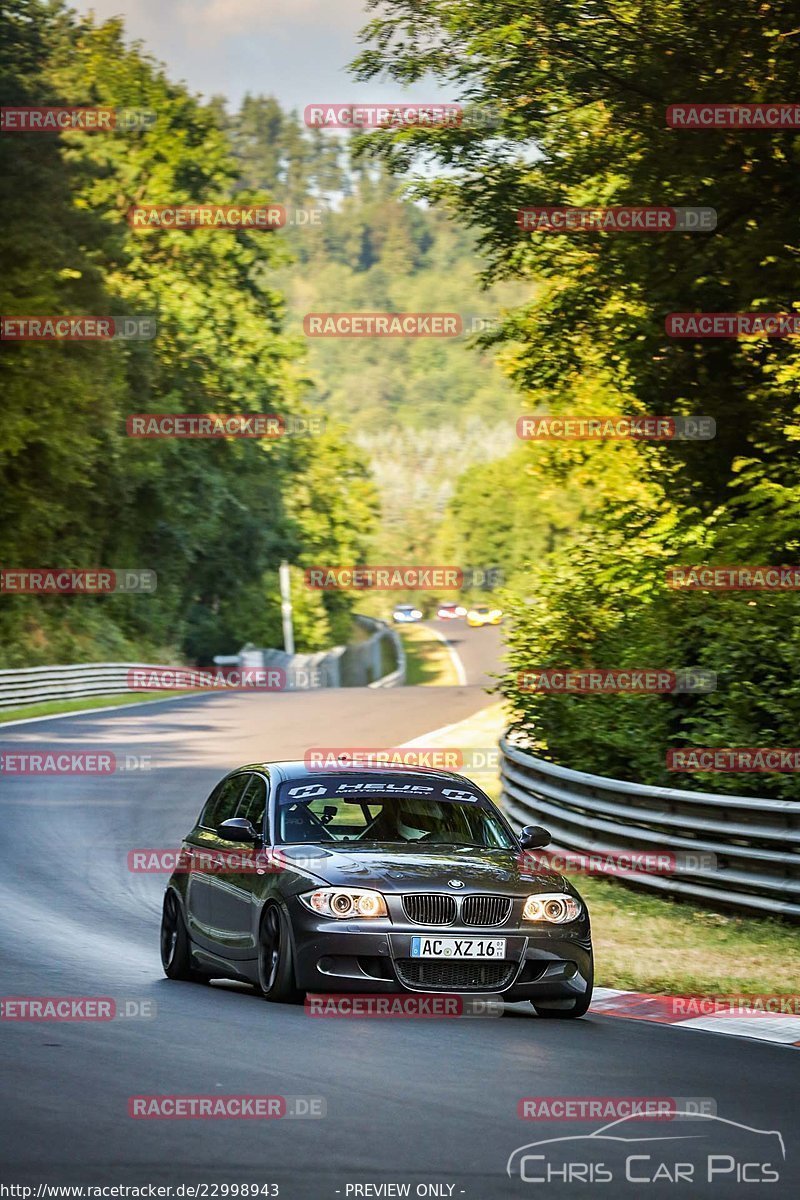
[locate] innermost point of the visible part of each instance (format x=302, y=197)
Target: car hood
x=392, y=869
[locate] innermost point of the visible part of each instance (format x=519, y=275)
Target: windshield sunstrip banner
x=360, y=787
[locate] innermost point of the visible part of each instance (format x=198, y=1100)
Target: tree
x=210, y=517
x=580, y=91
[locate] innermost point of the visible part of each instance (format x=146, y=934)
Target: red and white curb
x=766, y=1026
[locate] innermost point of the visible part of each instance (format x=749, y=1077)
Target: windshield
x=405, y=820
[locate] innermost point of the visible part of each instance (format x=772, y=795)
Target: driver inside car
x=414, y=822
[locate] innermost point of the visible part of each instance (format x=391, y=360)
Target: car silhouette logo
x=455, y=883
x=615, y=1133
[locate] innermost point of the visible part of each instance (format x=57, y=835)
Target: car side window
x=254, y=802
x=223, y=801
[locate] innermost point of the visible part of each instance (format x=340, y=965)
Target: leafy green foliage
x=586, y=531
x=212, y=518
x=420, y=411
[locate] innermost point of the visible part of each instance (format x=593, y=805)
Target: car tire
x=276, y=958
x=567, y=1010
x=176, y=953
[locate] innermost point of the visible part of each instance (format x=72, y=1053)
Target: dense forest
x=586, y=530
x=421, y=411
x=213, y=519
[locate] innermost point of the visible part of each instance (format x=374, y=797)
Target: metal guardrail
x=753, y=844
x=343, y=665
x=36, y=685
x=397, y=677
x=356, y=665
x=304, y=672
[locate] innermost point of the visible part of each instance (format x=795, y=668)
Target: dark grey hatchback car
x=374, y=880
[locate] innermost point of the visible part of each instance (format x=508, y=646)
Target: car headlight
x=554, y=908
x=345, y=902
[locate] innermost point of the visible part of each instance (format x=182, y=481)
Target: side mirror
x=533, y=837
x=237, y=829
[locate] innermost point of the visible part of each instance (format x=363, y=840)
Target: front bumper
x=343, y=956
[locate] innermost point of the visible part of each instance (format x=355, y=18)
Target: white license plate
x=436, y=947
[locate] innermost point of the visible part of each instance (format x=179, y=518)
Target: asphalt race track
x=417, y=1102
x=478, y=649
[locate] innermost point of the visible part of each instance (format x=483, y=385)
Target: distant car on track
x=450, y=612
x=405, y=613
x=372, y=880
x=482, y=614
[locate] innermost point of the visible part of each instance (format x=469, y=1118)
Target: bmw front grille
x=485, y=910
x=430, y=909
x=434, y=909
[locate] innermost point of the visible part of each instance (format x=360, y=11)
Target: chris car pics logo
x=636, y=1151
